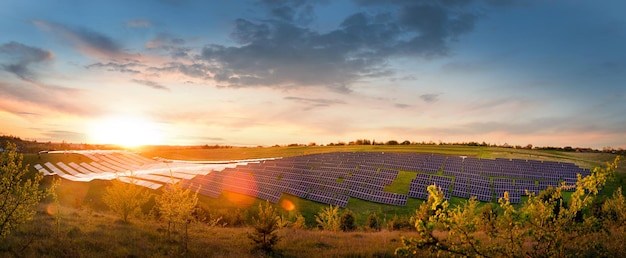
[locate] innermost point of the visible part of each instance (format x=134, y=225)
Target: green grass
x=402, y=183
x=77, y=194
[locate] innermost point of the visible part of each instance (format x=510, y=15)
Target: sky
x=181, y=72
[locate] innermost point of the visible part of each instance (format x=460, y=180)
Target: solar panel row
x=364, y=176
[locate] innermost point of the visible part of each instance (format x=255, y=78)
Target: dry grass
x=85, y=233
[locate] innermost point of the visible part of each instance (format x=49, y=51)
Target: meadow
x=82, y=226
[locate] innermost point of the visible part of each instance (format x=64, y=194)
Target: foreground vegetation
x=544, y=226
x=81, y=223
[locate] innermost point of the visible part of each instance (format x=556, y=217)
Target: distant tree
x=406, y=142
x=363, y=142
x=125, y=199
x=18, y=194
x=176, y=205
x=347, y=221
x=392, y=142
x=265, y=225
x=328, y=218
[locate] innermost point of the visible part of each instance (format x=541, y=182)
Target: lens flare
x=288, y=205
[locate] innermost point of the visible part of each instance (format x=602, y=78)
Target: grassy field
x=88, y=229
x=85, y=233
x=586, y=160
x=89, y=194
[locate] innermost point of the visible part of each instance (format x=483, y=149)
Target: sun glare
x=126, y=131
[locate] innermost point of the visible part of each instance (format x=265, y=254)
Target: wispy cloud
x=311, y=103
x=139, y=23
x=151, y=84
x=429, y=98
x=123, y=67
x=32, y=97
x=17, y=58
x=88, y=41
x=68, y=136
x=174, y=46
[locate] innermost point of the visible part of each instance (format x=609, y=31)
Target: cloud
x=299, y=12
x=139, y=23
x=67, y=136
x=429, y=98
x=151, y=84
x=17, y=58
x=86, y=40
x=311, y=103
x=400, y=105
x=32, y=97
x=170, y=44
x=196, y=70
x=128, y=67
x=281, y=52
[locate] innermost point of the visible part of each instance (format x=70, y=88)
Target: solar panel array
x=334, y=178
x=331, y=178
x=126, y=166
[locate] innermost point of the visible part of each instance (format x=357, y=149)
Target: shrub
x=125, y=199
x=299, y=223
x=399, y=223
x=373, y=222
x=265, y=226
x=346, y=221
x=176, y=205
x=328, y=218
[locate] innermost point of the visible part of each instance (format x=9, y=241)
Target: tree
x=265, y=235
x=176, y=205
x=18, y=194
x=328, y=218
x=125, y=199
x=373, y=222
x=346, y=221
x=392, y=142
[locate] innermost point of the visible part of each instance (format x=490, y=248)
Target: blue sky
x=547, y=73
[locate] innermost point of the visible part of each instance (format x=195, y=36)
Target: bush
x=346, y=221
x=373, y=222
x=265, y=226
x=400, y=223
x=125, y=199
x=328, y=218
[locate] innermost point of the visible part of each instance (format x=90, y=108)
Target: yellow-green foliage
x=125, y=199
x=265, y=226
x=328, y=218
x=543, y=226
x=176, y=205
x=18, y=195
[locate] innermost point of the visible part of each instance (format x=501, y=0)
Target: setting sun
x=126, y=131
